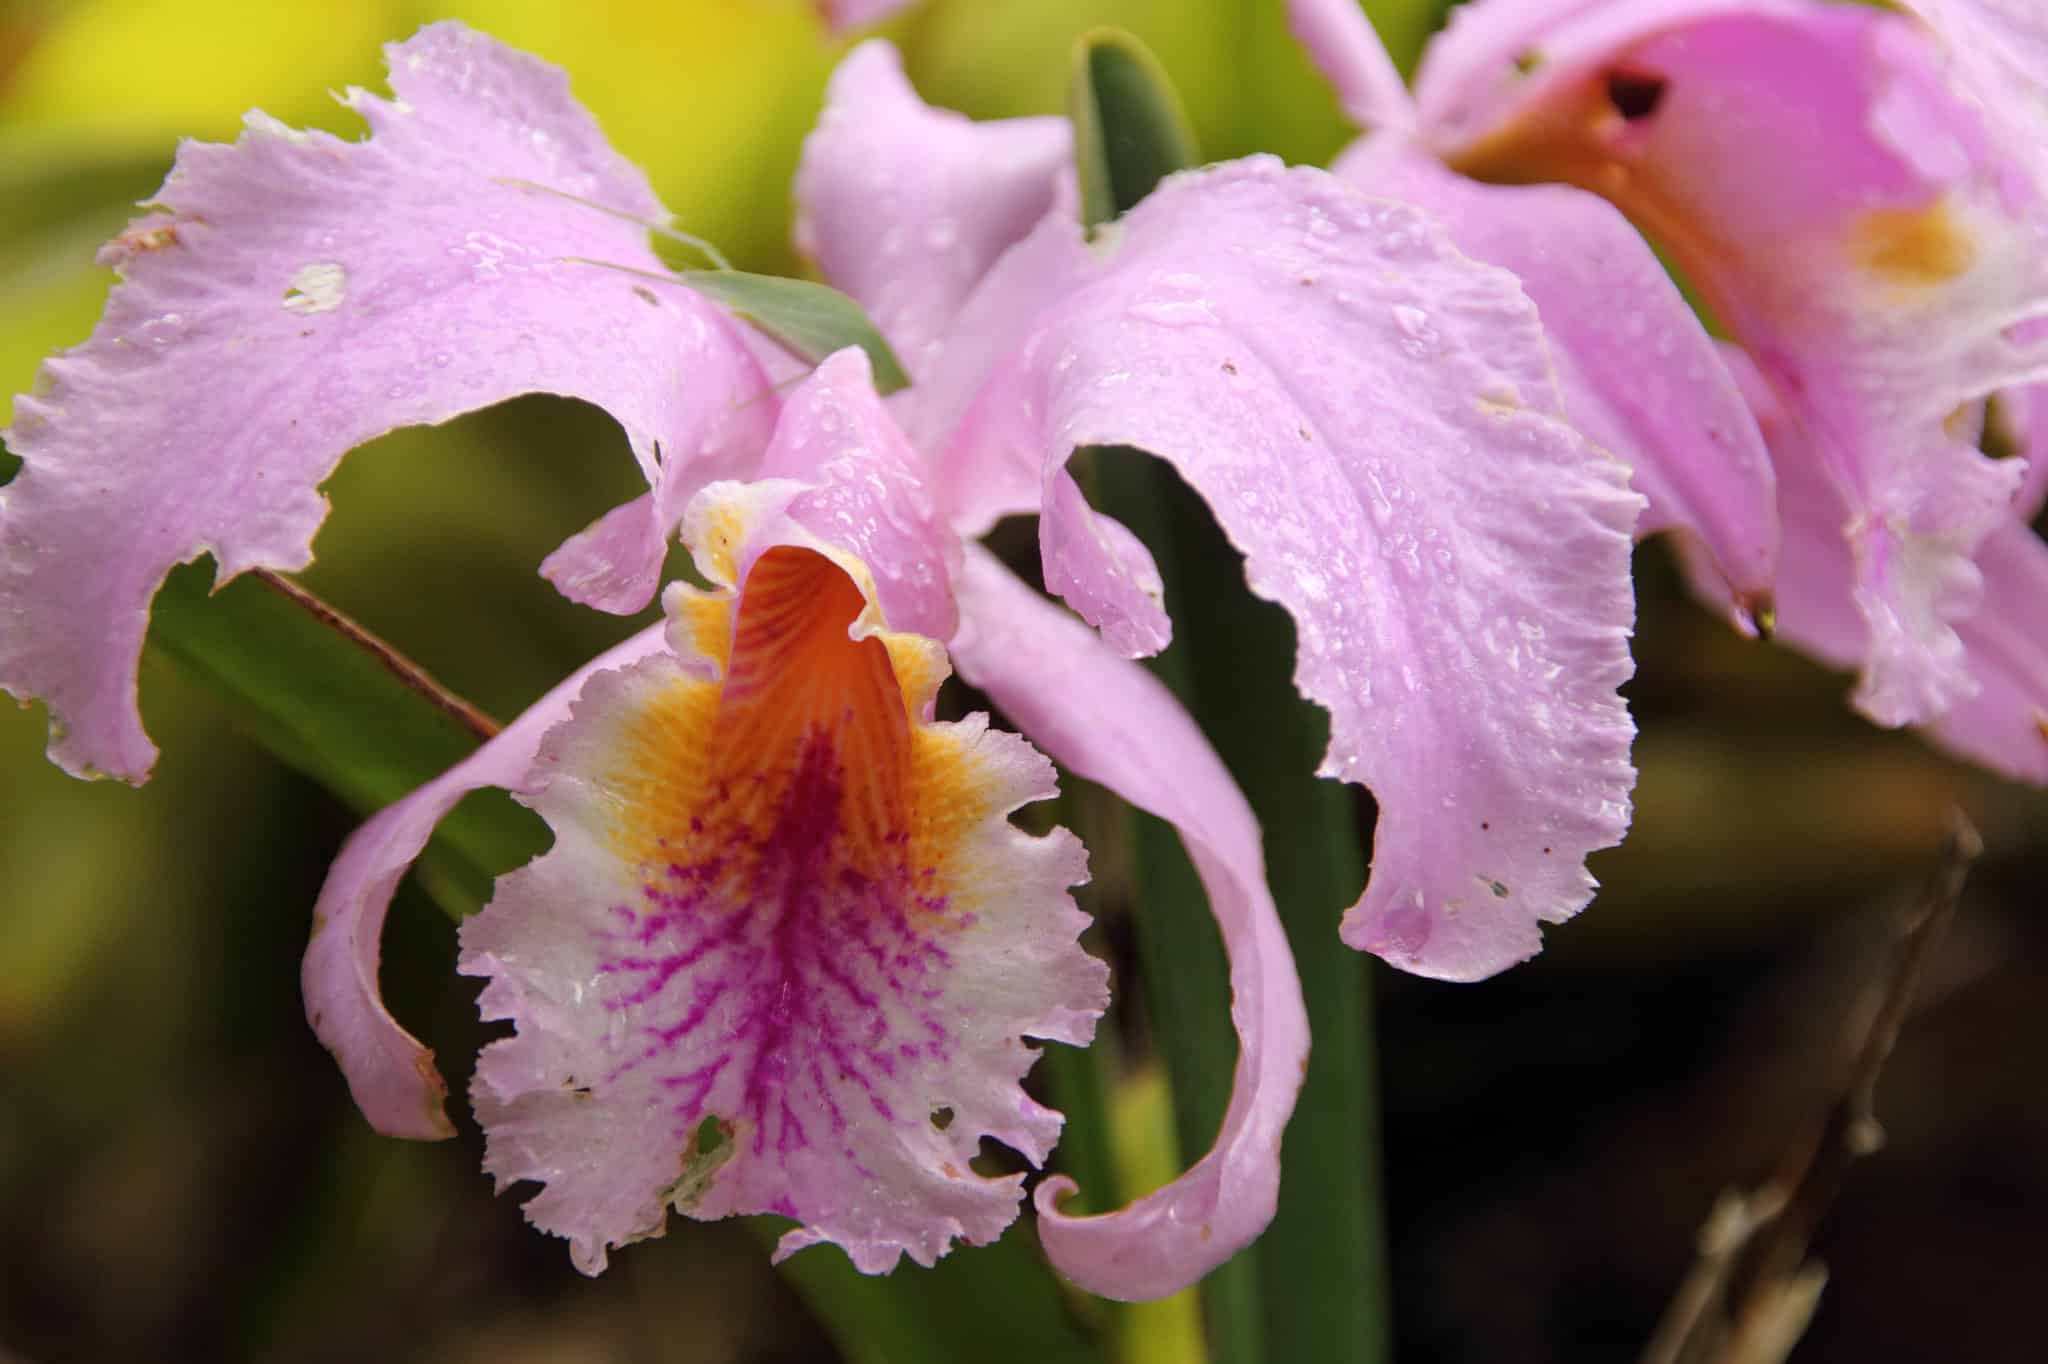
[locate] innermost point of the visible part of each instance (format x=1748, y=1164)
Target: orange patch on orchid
x=1912, y=248
x=711, y=769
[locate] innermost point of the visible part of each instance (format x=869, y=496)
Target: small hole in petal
x=942, y=1118
x=1634, y=95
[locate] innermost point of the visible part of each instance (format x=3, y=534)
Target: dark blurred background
x=182, y=1175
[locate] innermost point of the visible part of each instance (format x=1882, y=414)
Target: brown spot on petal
x=950, y=1170
x=146, y=237
x=1912, y=248
x=1207, y=1231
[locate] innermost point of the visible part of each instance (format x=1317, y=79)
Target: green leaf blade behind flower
x=1130, y=131
x=813, y=320
x=334, y=710
x=1314, y=1286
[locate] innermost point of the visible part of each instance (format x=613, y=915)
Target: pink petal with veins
x=1371, y=416
x=297, y=295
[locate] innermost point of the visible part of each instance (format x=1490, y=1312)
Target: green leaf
x=1180, y=953
x=813, y=320
x=336, y=710
x=1130, y=131
x=1321, y=1265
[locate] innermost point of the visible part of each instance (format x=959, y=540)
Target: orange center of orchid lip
x=800, y=701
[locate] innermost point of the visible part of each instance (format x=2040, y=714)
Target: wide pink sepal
x=1372, y=418
x=1109, y=720
x=296, y=295
x=1639, y=374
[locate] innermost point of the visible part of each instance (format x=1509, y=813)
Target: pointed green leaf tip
x=1130, y=131
x=813, y=320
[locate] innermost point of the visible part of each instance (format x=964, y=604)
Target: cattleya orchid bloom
x=785, y=949
x=1863, y=207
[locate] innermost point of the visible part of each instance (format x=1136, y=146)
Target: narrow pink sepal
x=1640, y=376
x=1108, y=720
x=1343, y=44
x=297, y=295
x=391, y=1076
x=905, y=206
x=1371, y=416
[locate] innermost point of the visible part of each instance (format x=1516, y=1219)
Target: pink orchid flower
x=1862, y=207
x=786, y=947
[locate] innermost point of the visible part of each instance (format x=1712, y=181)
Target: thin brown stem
x=1750, y=1294
x=412, y=675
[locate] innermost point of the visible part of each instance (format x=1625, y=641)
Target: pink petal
x=1344, y=46
x=1641, y=377
x=1852, y=218
x=785, y=907
x=905, y=207
x=2026, y=413
x=1501, y=56
x=2005, y=725
x=298, y=295
x=2003, y=643
x=1110, y=721
x=1370, y=415
x=865, y=496
x=391, y=1076
x=1998, y=50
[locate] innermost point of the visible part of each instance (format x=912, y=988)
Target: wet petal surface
x=1641, y=377
x=296, y=295
x=1371, y=417
x=786, y=948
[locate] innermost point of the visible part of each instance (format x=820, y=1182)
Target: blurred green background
x=183, y=1177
